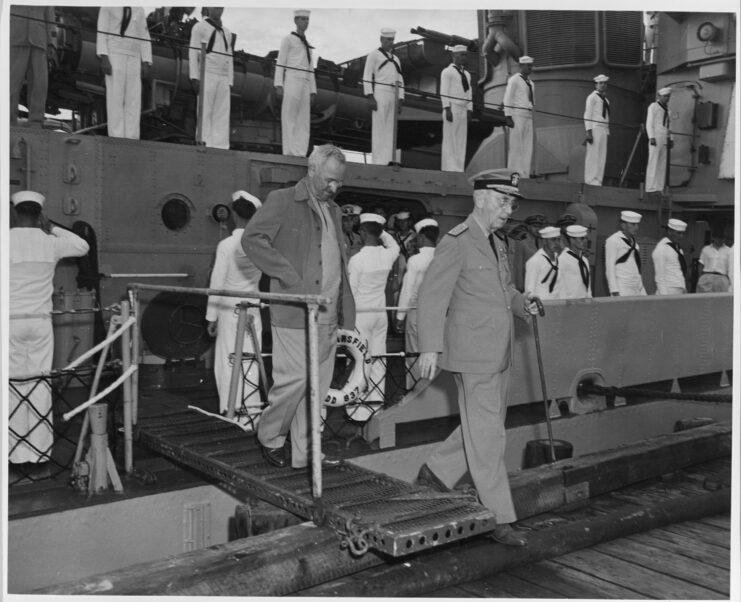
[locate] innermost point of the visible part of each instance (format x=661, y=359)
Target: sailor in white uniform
x=623, y=258
x=368, y=271
x=382, y=72
x=597, y=126
x=295, y=83
x=234, y=271
x=428, y=231
x=34, y=248
x=455, y=95
x=125, y=52
x=575, y=275
x=670, y=265
x=519, y=101
x=542, y=269
x=658, y=124
x=219, y=76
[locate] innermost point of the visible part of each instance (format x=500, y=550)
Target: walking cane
x=541, y=312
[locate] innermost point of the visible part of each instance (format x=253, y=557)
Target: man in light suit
x=597, y=126
x=455, y=95
x=465, y=311
x=519, y=101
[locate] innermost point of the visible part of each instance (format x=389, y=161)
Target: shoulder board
x=459, y=229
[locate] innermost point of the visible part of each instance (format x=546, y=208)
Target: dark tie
x=529, y=88
x=583, y=268
x=306, y=45
x=126, y=19
x=666, y=114
x=605, y=106
x=211, y=40
x=389, y=59
x=680, y=255
x=623, y=258
x=553, y=270
x=464, y=79
x=493, y=246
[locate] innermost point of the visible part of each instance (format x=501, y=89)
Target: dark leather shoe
x=427, y=478
x=506, y=535
x=275, y=456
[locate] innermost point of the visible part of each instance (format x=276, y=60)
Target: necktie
x=666, y=114
x=605, y=106
x=632, y=244
x=680, y=255
x=219, y=28
x=464, y=79
x=306, y=45
x=389, y=59
x=493, y=246
x=529, y=88
x=583, y=269
x=553, y=270
x=126, y=19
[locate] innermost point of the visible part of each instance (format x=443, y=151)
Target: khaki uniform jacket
x=283, y=239
x=36, y=30
x=466, y=303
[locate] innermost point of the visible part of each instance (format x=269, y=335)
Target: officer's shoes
x=506, y=535
x=275, y=456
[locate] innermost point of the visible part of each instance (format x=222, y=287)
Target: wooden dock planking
x=684, y=545
x=701, y=532
x=507, y=585
x=722, y=522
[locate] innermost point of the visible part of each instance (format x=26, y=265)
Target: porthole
x=176, y=214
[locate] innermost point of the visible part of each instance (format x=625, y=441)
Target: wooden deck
x=685, y=561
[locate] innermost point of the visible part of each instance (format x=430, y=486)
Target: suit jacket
x=466, y=303
x=283, y=239
x=36, y=30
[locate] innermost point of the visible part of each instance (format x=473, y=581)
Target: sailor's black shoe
x=275, y=456
x=507, y=535
x=427, y=478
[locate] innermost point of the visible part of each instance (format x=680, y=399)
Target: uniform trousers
x=248, y=393
x=713, y=283
x=634, y=288
x=373, y=327
x=478, y=444
x=455, y=135
x=288, y=409
x=216, y=110
x=123, y=96
x=520, y=157
x=670, y=290
x=29, y=63
x=595, y=157
x=31, y=348
x=656, y=167
x=295, y=115
x=382, y=133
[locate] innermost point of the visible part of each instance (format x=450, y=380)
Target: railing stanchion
x=127, y=417
x=316, y=408
x=236, y=375
x=135, y=350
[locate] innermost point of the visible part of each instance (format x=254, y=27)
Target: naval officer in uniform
x=658, y=123
x=381, y=75
x=519, y=101
x=455, y=95
x=295, y=83
x=597, y=126
x=125, y=54
x=542, y=269
x=623, y=258
x=219, y=76
x=465, y=311
x=670, y=265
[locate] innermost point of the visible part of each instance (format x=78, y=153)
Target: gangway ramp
x=369, y=509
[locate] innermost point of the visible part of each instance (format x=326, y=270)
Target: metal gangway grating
x=367, y=509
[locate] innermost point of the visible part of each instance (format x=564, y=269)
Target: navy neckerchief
x=211, y=40
x=125, y=20
x=630, y=241
x=529, y=87
x=666, y=113
x=583, y=268
x=680, y=255
x=306, y=45
x=464, y=79
x=553, y=270
x=389, y=59
x=605, y=105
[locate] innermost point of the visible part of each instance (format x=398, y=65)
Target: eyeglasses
x=511, y=204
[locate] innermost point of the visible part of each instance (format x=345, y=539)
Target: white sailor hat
x=576, y=231
x=243, y=194
x=302, y=12
x=372, y=217
x=350, y=209
x=676, y=224
x=26, y=196
x=459, y=48
x=526, y=60
x=601, y=78
x=549, y=232
x=387, y=32
x=665, y=91
x=631, y=217
x=402, y=215
x=424, y=223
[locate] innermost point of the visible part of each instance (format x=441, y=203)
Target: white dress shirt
x=379, y=70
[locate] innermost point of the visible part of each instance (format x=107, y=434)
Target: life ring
x=356, y=383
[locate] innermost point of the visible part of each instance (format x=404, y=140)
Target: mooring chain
x=628, y=391
x=355, y=538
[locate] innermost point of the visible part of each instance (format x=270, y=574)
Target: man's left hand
x=531, y=304
x=401, y=104
x=146, y=71
x=312, y=99
x=670, y=144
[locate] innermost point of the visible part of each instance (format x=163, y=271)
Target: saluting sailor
x=519, y=101
x=234, y=271
x=382, y=73
x=670, y=265
x=623, y=258
x=428, y=231
x=574, y=273
x=525, y=247
x=125, y=52
x=219, y=76
x=295, y=83
x=658, y=123
x=455, y=95
x=542, y=269
x=597, y=126
x=404, y=234
x=350, y=222
x=368, y=271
